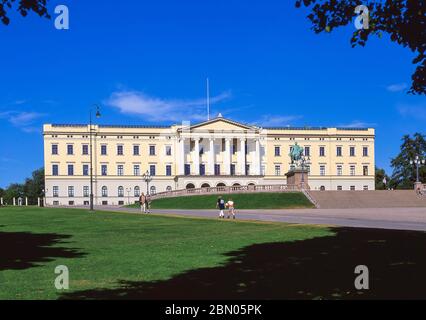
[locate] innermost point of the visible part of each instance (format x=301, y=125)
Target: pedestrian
x=148, y=203
x=142, y=202
x=221, y=206
x=231, y=208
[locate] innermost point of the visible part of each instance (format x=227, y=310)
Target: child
x=231, y=208
x=221, y=205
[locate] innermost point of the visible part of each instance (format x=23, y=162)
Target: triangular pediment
x=222, y=124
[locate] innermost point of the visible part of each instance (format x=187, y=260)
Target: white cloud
x=357, y=124
x=413, y=111
x=277, y=120
x=159, y=109
x=397, y=87
x=22, y=120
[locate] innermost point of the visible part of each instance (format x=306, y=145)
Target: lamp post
x=304, y=161
x=98, y=115
x=128, y=190
x=147, y=178
x=418, y=162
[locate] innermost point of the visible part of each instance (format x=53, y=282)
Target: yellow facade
x=219, y=151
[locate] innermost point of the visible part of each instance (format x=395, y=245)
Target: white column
x=38, y=202
x=181, y=170
x=242, y=156
x=26, y=201
x=1, y=201
x=257, y=158
x=211, y=157
x=227, y=159
x=196, y=157
x=14, y=202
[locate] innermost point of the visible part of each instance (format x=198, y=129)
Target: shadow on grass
x=320, y=268
x=23, y=250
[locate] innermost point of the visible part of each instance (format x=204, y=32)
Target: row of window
x=339, y=151
x=104, y=150
x=135, y=192
x=339, y=169
x=104, y=170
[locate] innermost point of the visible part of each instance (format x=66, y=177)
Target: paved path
x=383, y=218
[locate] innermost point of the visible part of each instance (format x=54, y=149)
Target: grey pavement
x=381, y=218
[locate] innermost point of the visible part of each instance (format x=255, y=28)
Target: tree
x=15, y=190
x=380, y=176
x=404, y=173
x=23, y=7
x=403, y=20
x=34, y=186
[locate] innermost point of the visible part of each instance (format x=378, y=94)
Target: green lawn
x=102, y=249
x=242, y=201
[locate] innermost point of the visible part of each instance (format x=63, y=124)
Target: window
x=352, y=170
x=322, y=170
x=103, y=150
x=352, y=151
x=365, y=188
x=120, y=170
x=153, y=190
x=168, y=150
x=120, y=151
x=71, y=191
x=234, y=146
x=187, y=169
x=247, y=169
x=202, y=169
x=169, y=189
x=232, y=169
x=339, y=151
x=277, y=151
x=137, y=191
x=136, y=150
x=322, y=151
x=136, y=170
x=55, y=191
x=104, y=191
x=120, y=191
x=104, y=170
x=70, y=169
x=54, y=149
x=307, y=151
x=55, y=170
x=85, y=149
x=152, y=170
x=70, y=149
x=262, y=170
x=339, y=170
x=168, y=170
x=217, y=169
x=86, y=191
x=85, y=169
x=152, y=150
x=277, y=170
x=353, y=188
x=365, y=170
x=339, y=188
x=365, y=151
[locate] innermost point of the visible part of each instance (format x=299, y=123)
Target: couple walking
x=221, y=205
x=144, y=201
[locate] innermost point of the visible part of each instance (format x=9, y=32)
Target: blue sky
x=147, y=62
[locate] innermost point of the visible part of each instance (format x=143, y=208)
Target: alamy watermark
x=362, y=22
x=362, y=281
x=62, y=281
x=62, y=21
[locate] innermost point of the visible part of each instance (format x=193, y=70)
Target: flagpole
x=208, y=100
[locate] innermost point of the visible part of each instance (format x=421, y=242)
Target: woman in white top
x=231, y=208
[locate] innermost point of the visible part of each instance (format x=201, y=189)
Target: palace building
x=218, y=152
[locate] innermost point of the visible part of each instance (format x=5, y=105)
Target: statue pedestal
x=298, y=178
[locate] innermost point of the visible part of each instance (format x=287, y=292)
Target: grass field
x=242, y=201
x=105, y=250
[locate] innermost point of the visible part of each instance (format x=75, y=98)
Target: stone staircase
x=367, y=199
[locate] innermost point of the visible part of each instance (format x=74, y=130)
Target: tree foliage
x=404, y=173
x=403, y=20
x=23, y=7
x=380, y=176
x=32, y=188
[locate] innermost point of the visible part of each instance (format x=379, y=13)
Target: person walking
x=148, y=203
x=231, y=209
x=220, y=204
x=142, y=202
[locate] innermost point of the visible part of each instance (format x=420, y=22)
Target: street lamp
x=128, y=190
x=418, y=162
x=305, y=161
x=98, y=115
x=147, y=178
